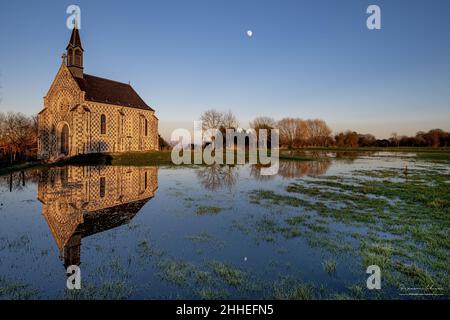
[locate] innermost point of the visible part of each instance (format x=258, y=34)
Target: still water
x=179, y=232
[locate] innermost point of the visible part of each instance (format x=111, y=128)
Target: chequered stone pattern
x=70, y=192
x=65, y=105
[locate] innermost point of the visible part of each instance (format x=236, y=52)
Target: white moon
x=250, y=33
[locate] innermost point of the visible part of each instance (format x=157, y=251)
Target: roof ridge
x=90, y=75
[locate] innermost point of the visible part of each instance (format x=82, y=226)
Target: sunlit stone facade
x=86, y=114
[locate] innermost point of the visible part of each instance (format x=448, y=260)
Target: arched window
x=70, y=57
x=102, y=187
x=146, y=127
x=145, y=180
x=103, y=124
x=64, y=140
x=77, y=57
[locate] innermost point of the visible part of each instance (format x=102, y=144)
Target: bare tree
x=303, y=134
x=395, y=139
x=212, y=119
x=229, y=121
x=262, y=123
x=320, y=133
x=288, y=130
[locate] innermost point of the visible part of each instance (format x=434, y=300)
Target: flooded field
x=213, y=232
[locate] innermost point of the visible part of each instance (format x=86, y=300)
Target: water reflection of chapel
x=82, y=201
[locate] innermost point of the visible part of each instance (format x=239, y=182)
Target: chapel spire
x=75, y=53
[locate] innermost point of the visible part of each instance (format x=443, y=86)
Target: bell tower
x=75, y=54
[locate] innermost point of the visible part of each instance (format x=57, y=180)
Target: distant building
x=87, y=114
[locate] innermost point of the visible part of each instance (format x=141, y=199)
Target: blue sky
x=309, y=59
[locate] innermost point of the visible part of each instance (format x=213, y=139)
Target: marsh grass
x=16, y=290
x=229, y=274
x=205, y=238
x=415, y=273
x=108, y=290
x=176, y=272
x=208, y=210
x=329, y=266
x=406, y=219
x=292, y=289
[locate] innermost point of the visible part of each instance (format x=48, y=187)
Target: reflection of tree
x=351, y=156
x=309, y=154
x=217, y=176
x=255, y=172
x=16, y=181
x=295, y=169
x=348, y=156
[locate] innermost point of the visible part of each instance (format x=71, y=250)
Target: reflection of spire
x=72, y=251
x=71, y=217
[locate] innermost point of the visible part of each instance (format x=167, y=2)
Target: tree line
x=18, y=134
x=301, y=133
x=434, y=138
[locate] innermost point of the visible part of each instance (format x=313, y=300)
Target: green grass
x=176, y=272
x=329, y=266
x=381, y=149
x=406, y=219
x=205, y=238
x=297, y=220
x=291, y=289
x=228, y=273
x=437, y=156
x=15, y=290
x=419, y=276
x=212, y=294
x=154, y=158
x=208, y=210
x=108, y=290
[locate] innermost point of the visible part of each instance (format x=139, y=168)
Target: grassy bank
x=445, y=150
x=7, y=168
x=320, y=153
x=158, y=158
x=154, y=158
x=130, y=158
x=379, y=217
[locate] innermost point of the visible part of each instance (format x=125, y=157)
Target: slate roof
x=111, y=92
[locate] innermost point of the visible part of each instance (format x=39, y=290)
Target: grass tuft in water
x=203, y=210
x=228, y=273
x=329, y=266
